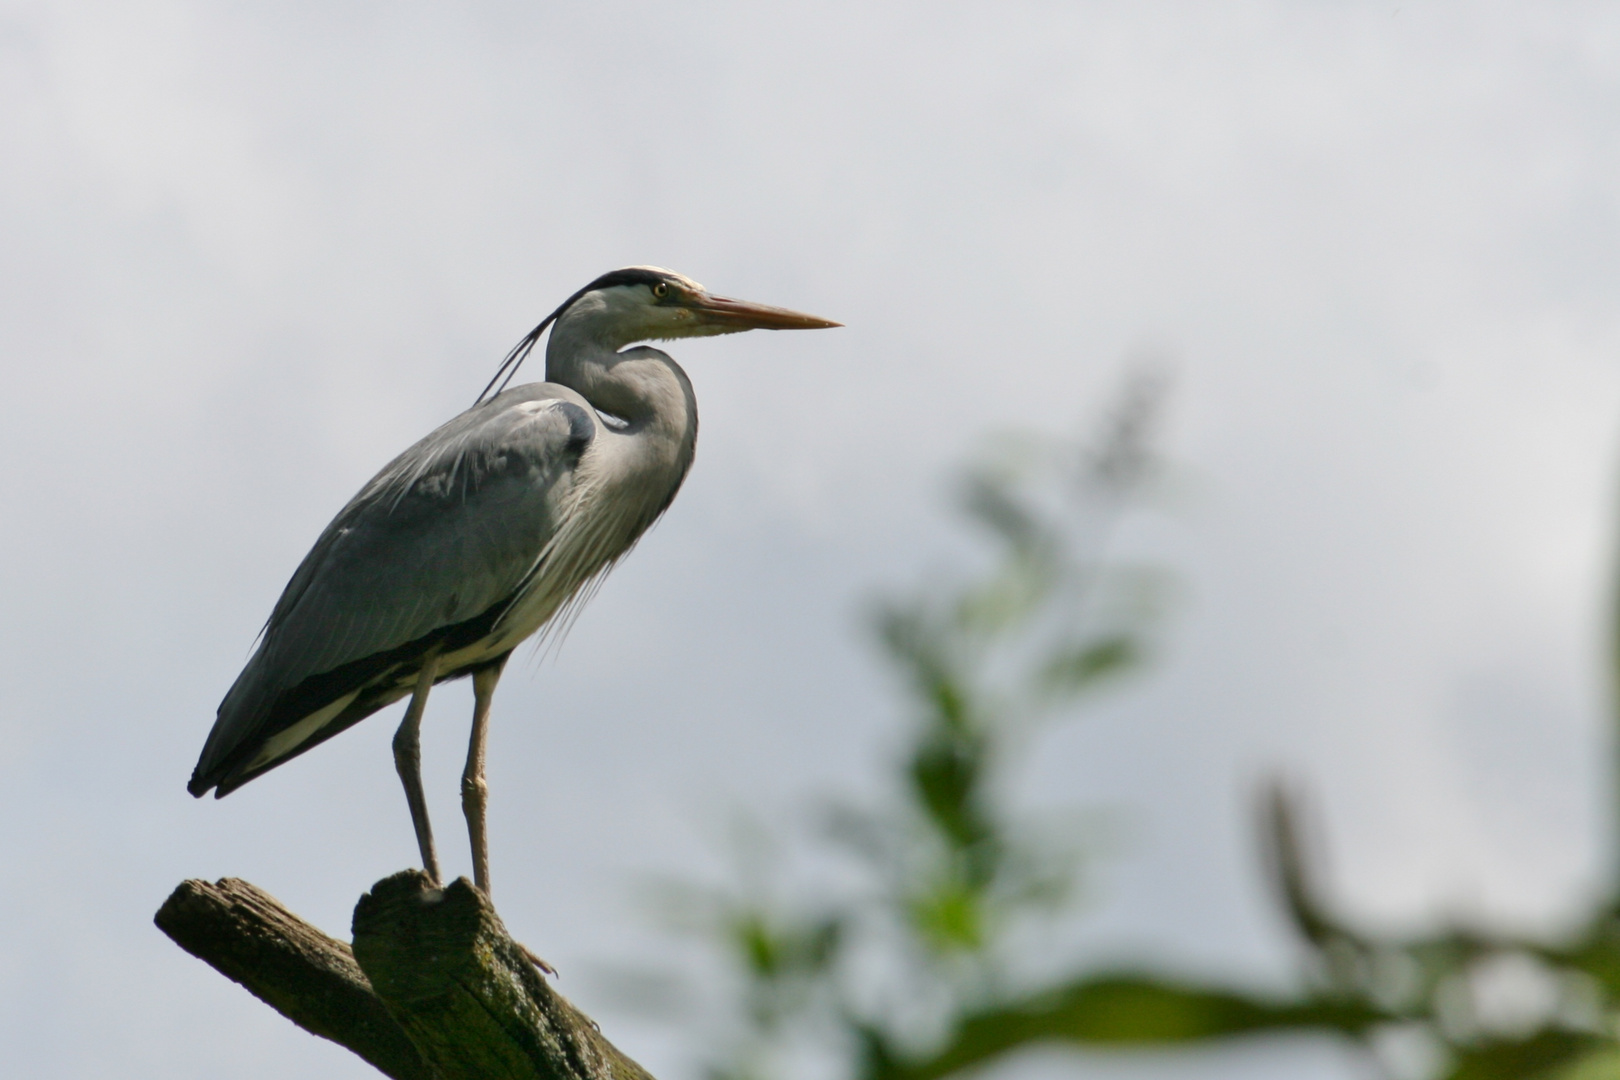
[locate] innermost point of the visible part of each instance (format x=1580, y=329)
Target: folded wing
x=426, y=556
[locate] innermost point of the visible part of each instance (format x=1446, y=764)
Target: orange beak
x=742, y=315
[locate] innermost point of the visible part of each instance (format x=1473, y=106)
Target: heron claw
x=537, y=962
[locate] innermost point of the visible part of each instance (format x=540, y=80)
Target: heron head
x=649, y=303
x=646, y=303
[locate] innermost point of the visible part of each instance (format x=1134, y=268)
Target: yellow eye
x=661, y=289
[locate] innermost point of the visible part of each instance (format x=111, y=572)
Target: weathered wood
x=466, y=994
x=311, y=979
x=433, y=989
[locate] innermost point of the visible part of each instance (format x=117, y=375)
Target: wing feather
x=441, y=538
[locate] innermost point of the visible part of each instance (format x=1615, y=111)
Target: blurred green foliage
x=906, y=954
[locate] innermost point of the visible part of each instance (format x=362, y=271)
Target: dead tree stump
x=433, y=989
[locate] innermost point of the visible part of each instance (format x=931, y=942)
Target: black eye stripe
x=629, y=276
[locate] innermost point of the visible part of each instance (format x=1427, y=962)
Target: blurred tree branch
x=433, y=987
x=1434, y=985
x=1115, y=1010
x=920, y=969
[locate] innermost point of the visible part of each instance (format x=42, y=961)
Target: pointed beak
x=731, y=314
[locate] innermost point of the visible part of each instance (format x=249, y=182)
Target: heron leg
x=474, y=792
x=408, y=761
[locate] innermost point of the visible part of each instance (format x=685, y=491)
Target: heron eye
x=661, y=289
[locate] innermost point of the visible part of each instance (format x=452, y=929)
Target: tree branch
x=311, y=979
x=434, y=988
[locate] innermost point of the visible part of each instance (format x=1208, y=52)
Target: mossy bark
x=466, y=994
x=433, y=989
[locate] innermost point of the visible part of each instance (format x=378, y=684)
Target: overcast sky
x=250, y=251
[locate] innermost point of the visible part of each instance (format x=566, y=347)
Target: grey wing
x=433, y=547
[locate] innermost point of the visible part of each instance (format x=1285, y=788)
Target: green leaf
x=1601, y=1064
x=990, y=499
x=1121, y=1010
x=950, y=919
x=1597, y=953
x=1540, y=1057
x=1077, y=668
x=772, y=951
x=946, y=774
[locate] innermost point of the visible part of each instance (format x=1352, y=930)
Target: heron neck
x=641, y=385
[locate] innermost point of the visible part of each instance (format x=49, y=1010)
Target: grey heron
x=491, y=528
